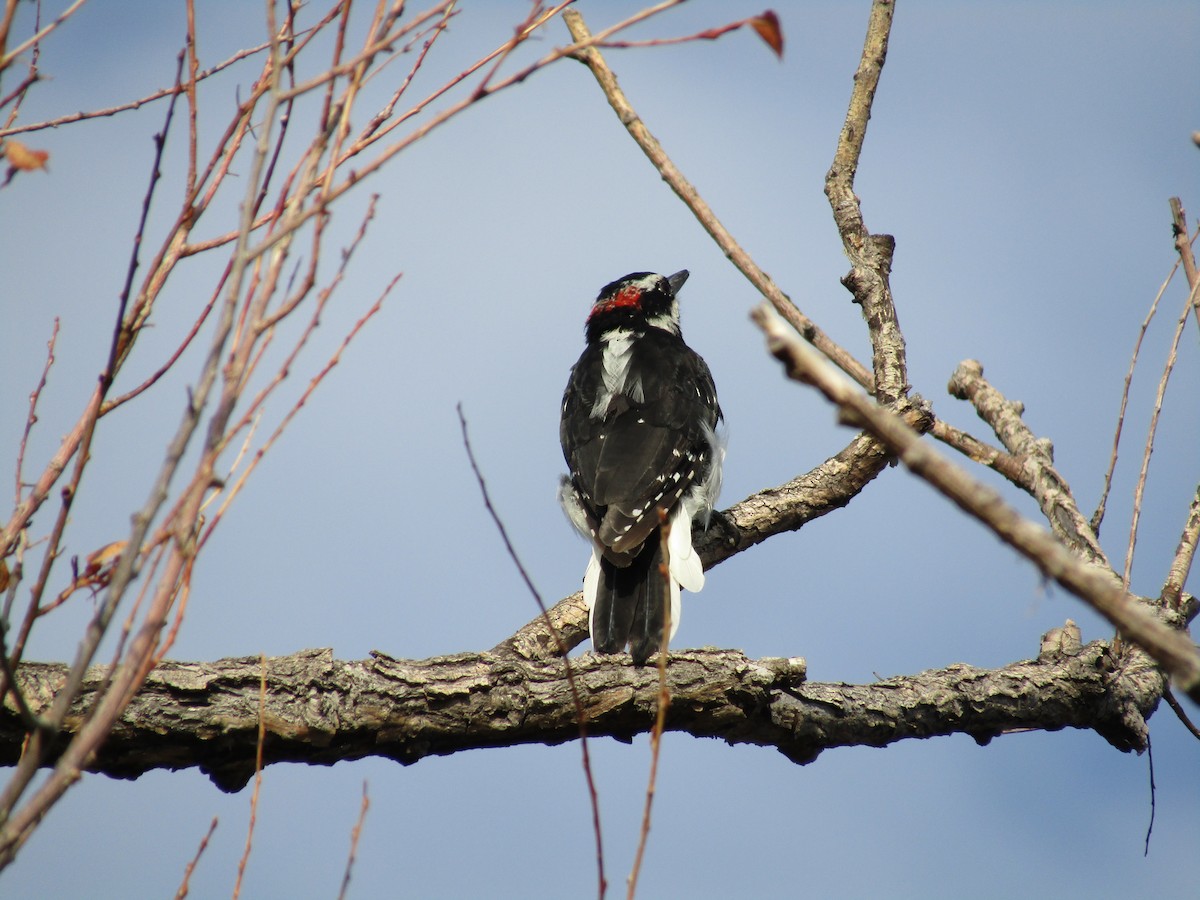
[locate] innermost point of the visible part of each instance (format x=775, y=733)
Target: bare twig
x=191, y=866
x=978, y=451
x=355, y=834
x=7, y=58
x=1153, y=791
x=1098, y=515
x=1140, y=489
x=1093, y=584
x=1181, y=713
x=664, y=701
x=135, y=104
x=31, y=418
x=258, y=769
x=766, y=25
x=580, y=714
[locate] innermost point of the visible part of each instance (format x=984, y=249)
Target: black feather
x=631, y=605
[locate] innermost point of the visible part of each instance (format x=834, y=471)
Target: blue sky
x=1022, y=154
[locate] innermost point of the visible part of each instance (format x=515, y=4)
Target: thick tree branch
x=870, y=255
x=319, y=710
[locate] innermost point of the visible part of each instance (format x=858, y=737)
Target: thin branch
x=130, y=673
x=195, y=860
x=355, y=834
x=301, y=217
x=31, y=417
x=978, y=451
x=1098, y=515
x=1095, y=585
x=7, y=58
x=1140, y=489
x=1153, y=791
x=258, y=769
x=664, y=701
x=580, y=714
x=135, y=104
x=1178, y=709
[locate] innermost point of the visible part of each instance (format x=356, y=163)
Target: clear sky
x=1021, y=153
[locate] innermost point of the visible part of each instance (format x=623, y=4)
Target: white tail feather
x=685, y=565
x=591, y=584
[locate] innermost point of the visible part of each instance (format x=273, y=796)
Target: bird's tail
x=627, y=605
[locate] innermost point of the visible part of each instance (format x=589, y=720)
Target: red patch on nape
x=625, y=298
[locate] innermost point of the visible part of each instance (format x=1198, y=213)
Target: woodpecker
x=638, y=431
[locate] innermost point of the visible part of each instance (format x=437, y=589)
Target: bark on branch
x=319, y=710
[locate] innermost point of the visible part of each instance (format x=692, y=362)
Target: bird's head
x=638, y=300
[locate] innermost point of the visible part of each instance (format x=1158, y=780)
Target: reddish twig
x=17, y=97
x=580, y=715
x=708, y=34
x=436, y=31
x=258, y=767
x=134, y=104
x=355, y=833
x=191, y=866
x=664, y=700
x=7, y=58
x=31, y=418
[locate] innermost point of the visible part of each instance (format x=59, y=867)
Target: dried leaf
x=4, y=576
x=23, y=158
x=103, y=557
x=767, y=26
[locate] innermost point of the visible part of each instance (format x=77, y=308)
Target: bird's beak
x=676, y=281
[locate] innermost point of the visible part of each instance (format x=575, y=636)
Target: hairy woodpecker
x=638, y=432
